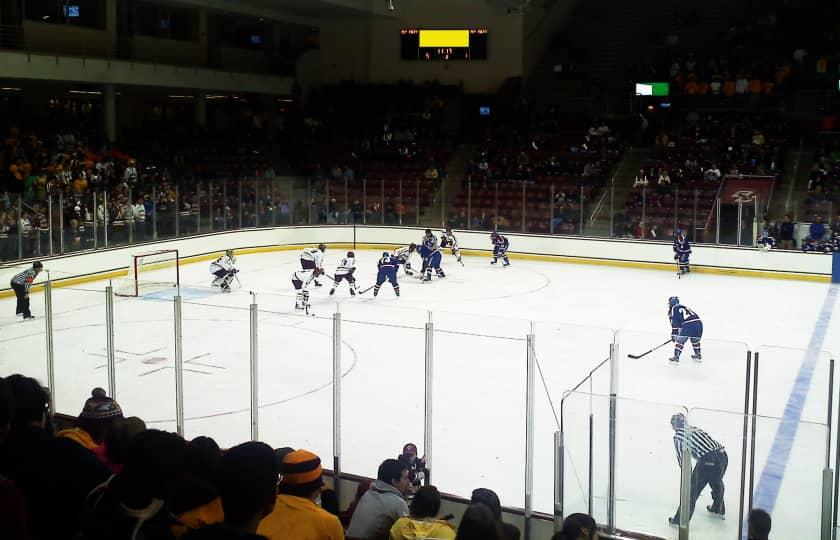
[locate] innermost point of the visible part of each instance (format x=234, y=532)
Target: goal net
x=150, y=272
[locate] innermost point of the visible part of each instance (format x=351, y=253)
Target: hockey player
x=345, y=272
x=403, y=254
x=430, y=240
x=765, y=241
x=500, y=247
x=447, y=239
x=312, y=258
x=223, y=270
x=431, y=261
x=301, y=280
x=387, y=265
x=685, y=325
x=682, y=251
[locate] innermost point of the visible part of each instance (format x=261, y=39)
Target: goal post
x=149, y=272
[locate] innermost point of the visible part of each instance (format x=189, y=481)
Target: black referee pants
x=708, y=470
x=22, y=300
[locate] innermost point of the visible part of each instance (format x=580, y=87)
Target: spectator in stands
x=758, y=525
x=431, y=172
x=113, y=451
x=130, y=173
x=54, y=474
x=664, y=177
x=247, y=481
x=577, y=527
x=817, y=230
x=135, y=502
x=383, y=504
x=641, y=179
x=13, y=514
x=835, y=225
x=478, y=523
x=416, y=466
x=786, y=230
x=195, y=498
x=96, y=418
x=489, y=498
x=296, y=513
x=712, y=174
x=422, y=520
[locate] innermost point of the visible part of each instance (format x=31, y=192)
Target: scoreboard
x=451, y=44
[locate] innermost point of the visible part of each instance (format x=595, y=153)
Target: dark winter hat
x=100, y=407
x=489, y=498
x=301, y=469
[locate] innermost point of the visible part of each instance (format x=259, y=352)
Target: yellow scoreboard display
x=440, y=44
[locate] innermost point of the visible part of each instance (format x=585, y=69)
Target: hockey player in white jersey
x=344, y=272
x=223, y=270
x=301, y=280
x=404, y=256
x=313, y=258
x=447, y=239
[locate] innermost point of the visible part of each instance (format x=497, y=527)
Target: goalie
x=224, y=271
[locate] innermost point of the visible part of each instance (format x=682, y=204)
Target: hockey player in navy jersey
x=682, y=251
x=685, y=325
x=388, y=265
x=431, y=261
x=500, y=247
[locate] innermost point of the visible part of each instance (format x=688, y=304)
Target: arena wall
x=112, y=262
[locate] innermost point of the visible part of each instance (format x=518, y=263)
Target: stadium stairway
x=598, y=218
x=443, y=200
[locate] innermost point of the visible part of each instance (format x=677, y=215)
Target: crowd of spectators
x=110, y=477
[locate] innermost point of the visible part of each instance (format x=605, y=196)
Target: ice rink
x=482, y=315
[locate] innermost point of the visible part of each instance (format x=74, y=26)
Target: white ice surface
x=481, y=315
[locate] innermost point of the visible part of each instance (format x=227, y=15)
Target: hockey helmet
x=386, y=254
x=428, y=232
x=673, y=301
x=494, y=234
x=37, y=265
x=351, y=254
x=678, y=421
x=412, y=247
x=322, y=247
x=449, y=230
x=229, y=253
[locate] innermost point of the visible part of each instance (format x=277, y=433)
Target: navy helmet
x=673, y=301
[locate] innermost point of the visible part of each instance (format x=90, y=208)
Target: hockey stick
x=363, y=291
x=637, y=356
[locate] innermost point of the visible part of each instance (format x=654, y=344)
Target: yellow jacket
x=407, y=528
x=301, y=519
x=207, y=514
x=80, y=436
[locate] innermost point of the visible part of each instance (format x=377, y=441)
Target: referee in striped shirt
x=711, y=462
x=20, y=284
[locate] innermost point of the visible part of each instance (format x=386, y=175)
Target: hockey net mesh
x=149, y=272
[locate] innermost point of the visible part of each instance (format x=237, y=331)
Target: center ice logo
x=743, y=196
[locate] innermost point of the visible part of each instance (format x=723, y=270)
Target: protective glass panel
x=480, y=362
x=792, y=381
x=644, y=447
x=383, y=359
x=165, y=212
x=718, y=380
x=144, y=345
x=585, y=475
x=216, y=367
x=788, y=467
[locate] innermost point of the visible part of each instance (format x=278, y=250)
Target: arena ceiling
x=302, y=11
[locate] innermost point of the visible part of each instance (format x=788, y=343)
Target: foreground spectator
x=54, y=474
x=577, y=527
x=489, y=498
x=383, y=504
x=12, y=503
x=758, y=525
x=96, y=418
x=422, y=520
x=247, y=481
x=478, y=523
x=134, y=504
x=196, y=499
x=296, y=514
